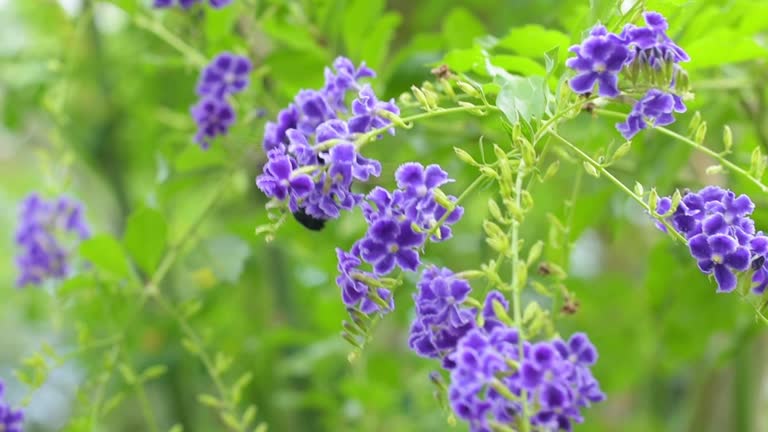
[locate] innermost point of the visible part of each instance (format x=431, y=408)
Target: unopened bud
x=468, y=88
x=727, y=138
x=464, y=156
x=701, y=133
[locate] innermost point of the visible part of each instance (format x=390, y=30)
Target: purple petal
x=722, y=244
x=384, y=265
x=384, y=230
x=738, y=260
x=410, y=174
x=699, y=247
x=726, y=280
x=408, y=259
x=583, y=83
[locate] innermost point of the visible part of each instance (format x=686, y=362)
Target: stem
x=173, y=251
x=146, y=408
x=570, y=213
x=586, y=158
x=516, y=300
x=560, y=114
x=368, y=136
x=156, y=28
x=731, y=166
x=471, y=188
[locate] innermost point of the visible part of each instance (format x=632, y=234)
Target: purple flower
x=389, y=243
x=226, y=74
x=722, y=255
x=721, y=235
x=650, y=44
x=599, y=59
x=441, y=320
x=319, y=128
x=417, y=182
x=366, y=110
x=355, y=293
x=279, y=181
x=275, y=133
x=656, y=108
x=11, y=420
x=344, y=78
x=186, y=4
x=481, y=359
x=214, y=117
x=40, y=236
x=417, y=185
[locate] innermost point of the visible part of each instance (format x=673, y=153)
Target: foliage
x=184, y=319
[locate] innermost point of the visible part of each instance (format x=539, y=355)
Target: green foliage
x=232, y=332
x=145, y=237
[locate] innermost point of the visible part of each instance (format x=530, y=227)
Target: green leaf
x=464, y=60
x=129, y=6
x=226, y=256
x=460, y=28
x=522, y=98
x=359, y=16
x=297, y=37
x=106, y=254
x=534, y=40
x=723, y=46
x=220, y=23
x=376, y=44
x=518, y=64
x=145, y=237
x=193, y=158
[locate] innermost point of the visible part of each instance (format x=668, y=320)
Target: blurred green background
x=94, y=100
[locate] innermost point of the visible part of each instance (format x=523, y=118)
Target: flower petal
x=726, y=280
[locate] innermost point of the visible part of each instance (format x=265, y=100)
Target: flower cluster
x=10, y=419
x=491, y=367
x=226, y=75
x=555, y=376
x=40, y=237
x=721, y=234
x=315, y=136
x=441, y=319
x=186, y=4
x=639, y=52
x=399, y=224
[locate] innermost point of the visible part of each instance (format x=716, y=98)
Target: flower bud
x=639, y=189
x=727, y=138
x=714, y=169
x=621, y=151
x=420, y=96
x=469, y=89
x=551, y=170
x=701, y=133
x=465, y=157
x=495, y=211
x=591, y=170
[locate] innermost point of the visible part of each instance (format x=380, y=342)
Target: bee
x=309, y=222
x=758, y=262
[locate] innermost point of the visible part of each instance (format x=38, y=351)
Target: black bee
x=758, y=262
x=309, y=222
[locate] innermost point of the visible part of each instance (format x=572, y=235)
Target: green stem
x=471, y=188
x=146, y=408
x=369, y=136
x=560, y=114
x=516, y=298
x=156, y=28
x=720, y=158
x=173, y=251
x=190, y=333
x=601, y=169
